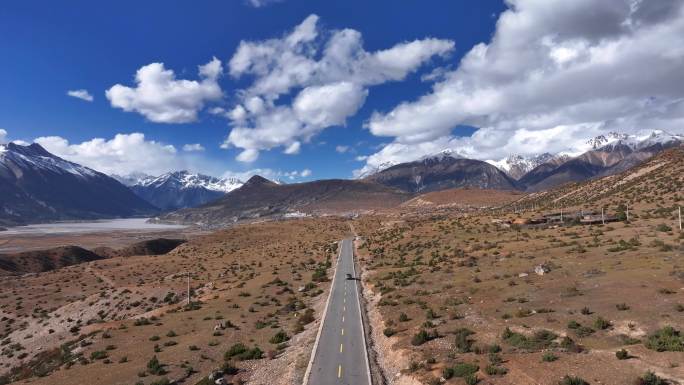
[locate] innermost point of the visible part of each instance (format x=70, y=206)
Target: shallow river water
x=128, y=224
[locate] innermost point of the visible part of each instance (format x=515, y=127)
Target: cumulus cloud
x=122, y=155
x=3, y=135
x=341, y=149
x=162, y=98
x=325, y=75
x=81, y=94
x=554, y=74
x=268, y=173
x=194, y=147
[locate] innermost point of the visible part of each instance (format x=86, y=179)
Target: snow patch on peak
x=440, y=156
x=187, y=180
x=516, y=165
x=640, y=140
x=17, y=157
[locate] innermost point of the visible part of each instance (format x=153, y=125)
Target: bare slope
x=260, y=197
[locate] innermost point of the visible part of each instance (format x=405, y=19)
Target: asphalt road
x=340, y=358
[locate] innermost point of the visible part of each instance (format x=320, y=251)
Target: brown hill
x=149, y=247
x=659, y=177
x=38, y=261
x=441, y=173
x=607, y=160
x=463, y=197
x=260, y=198
x=45, y=260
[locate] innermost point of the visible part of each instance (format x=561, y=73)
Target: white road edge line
x=358, y=302
x=307, y=373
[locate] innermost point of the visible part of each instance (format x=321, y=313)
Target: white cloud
x=341, y=149
x=124, y=154
x=326, y=75
x=194, y=147
x=261, y=3
x=81, y=94
x=554, y=74
x=3, y=135
x=162, y=98
x=268, y=173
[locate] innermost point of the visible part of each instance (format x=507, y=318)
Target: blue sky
x=483, y=78
x=50, y=48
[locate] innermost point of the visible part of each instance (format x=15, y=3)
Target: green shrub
x=569, y=345
x=389, y=332
x=650, y=379
x=663, y=228
x=423, y=336
x=461, y=369
x=279, y=337
x=98, y=355
x=549, y=357
x=601, y=323
x=463, y=343
x=464, y=369
x=622, y=354
x=471, y=379
x=493, y=370
x=541, y=339
x=666, y=339
x=155, y=367
x=568, y=380
x=234, y=350
x=584, y=331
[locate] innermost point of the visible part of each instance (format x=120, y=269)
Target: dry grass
x=248, y=276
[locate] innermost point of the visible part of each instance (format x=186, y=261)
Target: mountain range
x=610, y=154
x=179, y=189
x=260, y=197
x=443, y=172
x=36, y=185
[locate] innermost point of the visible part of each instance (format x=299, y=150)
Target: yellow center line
x=340, y=348
x=342, y=318
x=342, y=331
x=344, y=308
x=339, y=371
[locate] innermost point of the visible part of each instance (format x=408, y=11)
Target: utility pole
x=188, y=288
x=627, y=213
x=603, y=219
x=561, y=215
x=680, y=218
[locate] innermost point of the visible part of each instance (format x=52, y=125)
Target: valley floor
x=453, y=295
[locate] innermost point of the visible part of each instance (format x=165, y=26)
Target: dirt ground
x=257, y=280
x=458, y=272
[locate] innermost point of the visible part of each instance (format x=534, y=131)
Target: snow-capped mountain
x=639, y=141
x=36, y=185
x=609, y=154
x=132, y=179
x=15, y=157
x=517, y=165
x=186, y=180
x=602, y=140
x=437, y=157
x=181, y=189
x=440, y=172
